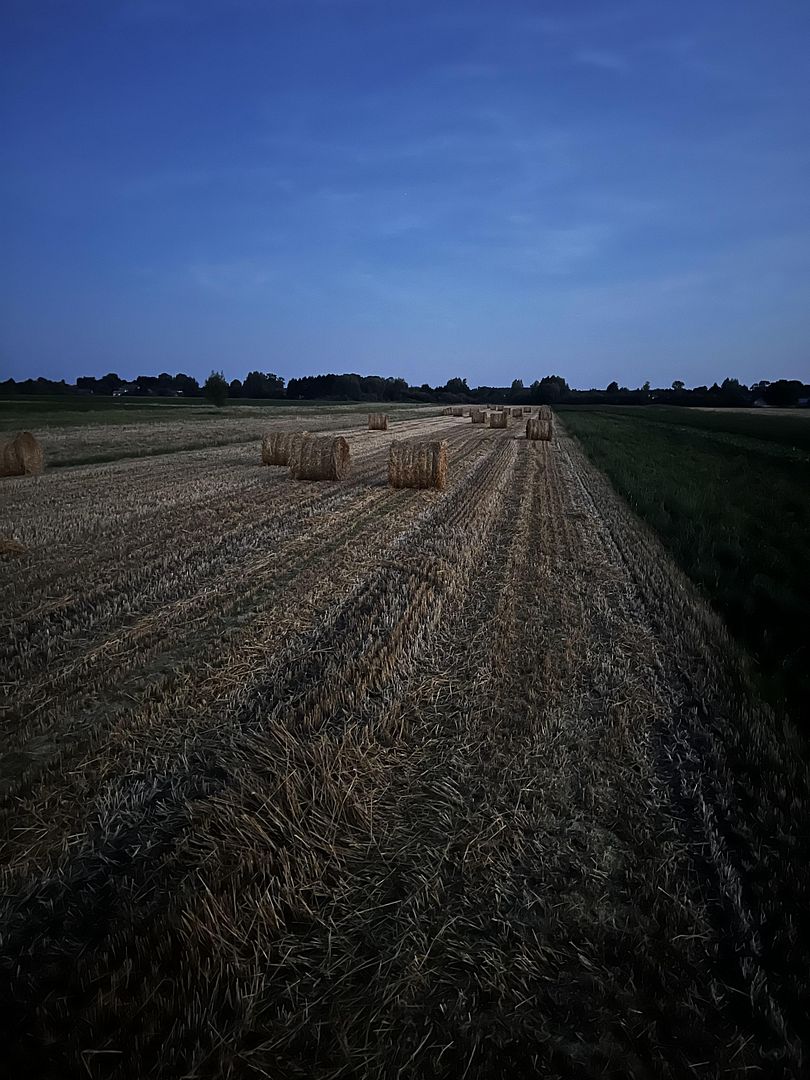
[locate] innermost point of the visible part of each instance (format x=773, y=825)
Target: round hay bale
x=544, y=412
x=478, y=416
x=21, y=455
x=457, y=411
x=417, y=464
x=378, y=421
x=537, y=428
x=517, y=414
x=278, y=446
x=321, y=458
x=499, y=420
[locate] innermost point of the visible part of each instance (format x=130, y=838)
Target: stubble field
x=335, y=780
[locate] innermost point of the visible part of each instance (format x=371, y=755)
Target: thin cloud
x=603, y=59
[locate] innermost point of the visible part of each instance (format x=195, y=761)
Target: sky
x=493, y=190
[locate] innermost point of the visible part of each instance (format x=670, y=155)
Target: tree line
x=551, y=390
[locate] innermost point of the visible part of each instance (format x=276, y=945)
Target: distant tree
x=260, y=384
x=516, y=389
x=456, y=386
x=552, y=388
x=677, y=385
x=784, y=392
x=187, y=385
x=733, y=392
x=395, y=389
x=613, y=387
x=646, y=387
x=216, y=389
x=235, y=388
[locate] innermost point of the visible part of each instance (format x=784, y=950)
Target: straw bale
x=321, y=458
x=278, y=446
x=417, y=464
x=499, y=420
x=21, y=455
x=378, y=421
x=538, y=428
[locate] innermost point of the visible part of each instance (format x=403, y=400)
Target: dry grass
x=320, y=458
x=21, y=455
x=342, y=781
x=10, y=547
x=418, y=464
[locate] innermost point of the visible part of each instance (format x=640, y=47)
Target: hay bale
x=279, y=446
x=517, y=414
x=478, y=416
x=538, y=428
x=417, y=464
x=544, y=412
x=321, y=458
x=378, y=421
x=499, y=420
x=457, y=411
x=447, y=410
x=21, y=455
x=11, y=548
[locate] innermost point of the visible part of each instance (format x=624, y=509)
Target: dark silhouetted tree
x=216, y=389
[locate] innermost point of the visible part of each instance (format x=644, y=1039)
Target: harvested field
x=343, y=780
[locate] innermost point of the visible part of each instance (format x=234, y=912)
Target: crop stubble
x=351, y=781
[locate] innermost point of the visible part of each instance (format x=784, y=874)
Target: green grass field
x=728, y=494
x=36, y=412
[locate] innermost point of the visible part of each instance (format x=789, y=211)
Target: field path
x=437, y=800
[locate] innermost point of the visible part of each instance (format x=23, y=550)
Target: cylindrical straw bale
x=21, y=455
x=321, y=458
x=417, y=464
x=378, y=421
x=278, y=446
x=457, y=410
x=498, y=420
x=538, y=429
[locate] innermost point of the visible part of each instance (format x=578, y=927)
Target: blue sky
x=497, y=190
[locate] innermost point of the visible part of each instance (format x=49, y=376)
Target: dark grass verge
x=736, y=519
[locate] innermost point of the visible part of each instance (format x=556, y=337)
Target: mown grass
x=734, y=514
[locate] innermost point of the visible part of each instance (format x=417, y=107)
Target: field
x=81, y=431
x=336, y=780
x=727, y=492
